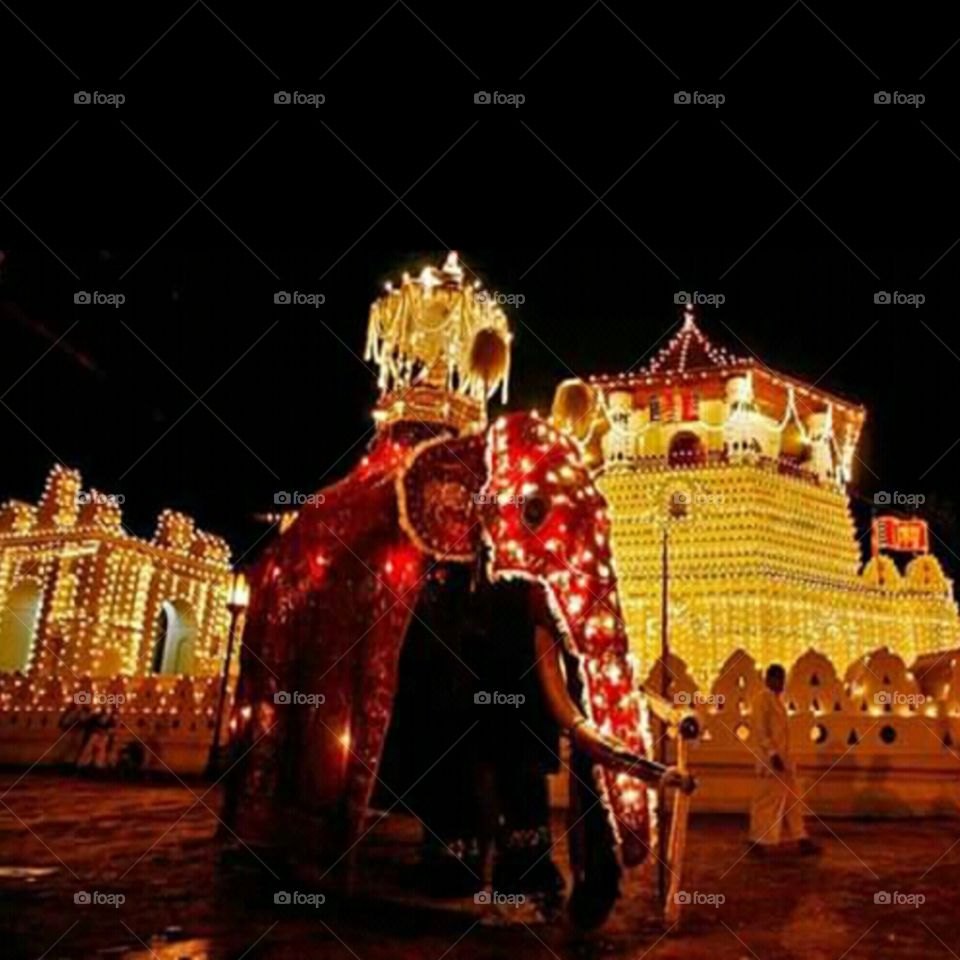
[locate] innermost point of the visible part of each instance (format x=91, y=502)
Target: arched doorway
x=174, y=638
x=18, y=625
x=685, y=448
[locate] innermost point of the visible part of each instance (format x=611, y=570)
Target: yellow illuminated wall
x=763, y=562
x=102, y=590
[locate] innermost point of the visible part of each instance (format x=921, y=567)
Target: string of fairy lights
x=98, y=593
x=767, y=559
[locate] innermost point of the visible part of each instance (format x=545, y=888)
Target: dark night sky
x=399, y=164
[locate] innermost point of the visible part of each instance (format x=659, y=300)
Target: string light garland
x=690, y=349
x=769, y=562
x=98, y=591
x=442, y=347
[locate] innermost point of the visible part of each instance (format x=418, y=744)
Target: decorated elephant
x=335, y=595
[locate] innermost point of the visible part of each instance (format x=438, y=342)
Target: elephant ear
x=438, y=493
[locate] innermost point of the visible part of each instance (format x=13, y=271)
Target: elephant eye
x=534, y=511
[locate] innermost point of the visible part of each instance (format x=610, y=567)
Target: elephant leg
x=593, y=858
x=523, y=862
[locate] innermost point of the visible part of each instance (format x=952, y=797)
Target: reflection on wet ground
x=99, y=869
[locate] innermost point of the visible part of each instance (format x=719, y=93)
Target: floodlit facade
x=743, y=471
x=91, y=614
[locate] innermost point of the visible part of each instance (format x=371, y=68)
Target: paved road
x=154, y=845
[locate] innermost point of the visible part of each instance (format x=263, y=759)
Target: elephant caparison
x=333, y=596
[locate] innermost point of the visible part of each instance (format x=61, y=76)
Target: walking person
x=97, y=752
x=776, y=814
x=74, y=722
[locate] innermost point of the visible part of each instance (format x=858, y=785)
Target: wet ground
x=153, y=845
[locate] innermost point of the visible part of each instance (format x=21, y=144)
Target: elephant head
x=521, y=497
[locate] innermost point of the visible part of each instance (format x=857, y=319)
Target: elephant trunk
x=607, y=750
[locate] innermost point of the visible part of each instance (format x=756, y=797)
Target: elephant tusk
x=606, y=750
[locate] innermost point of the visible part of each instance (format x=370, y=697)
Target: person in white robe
x=777, y=811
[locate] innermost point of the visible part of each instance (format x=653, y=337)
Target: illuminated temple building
x=89, y=609
x=745, y=470
x=749, y=468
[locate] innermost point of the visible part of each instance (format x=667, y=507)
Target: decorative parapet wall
x=880, y=739
x=167, y=721
x=134, y=626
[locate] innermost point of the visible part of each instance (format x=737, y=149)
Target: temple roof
x=690, y=349
x=691, y=357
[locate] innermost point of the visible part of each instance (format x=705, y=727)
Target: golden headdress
x=443, y=348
